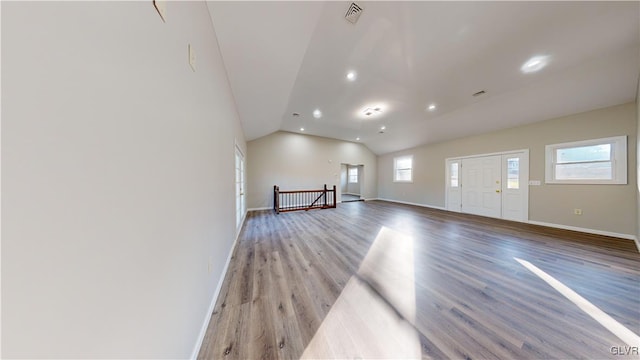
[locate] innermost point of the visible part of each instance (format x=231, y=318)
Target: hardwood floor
x=381, y=280
x=349, y=198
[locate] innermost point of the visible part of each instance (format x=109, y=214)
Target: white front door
x=515, y=186
x=491, y=185
x=454, y=197
x=481, y=186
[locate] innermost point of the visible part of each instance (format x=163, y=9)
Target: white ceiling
x=286, y=57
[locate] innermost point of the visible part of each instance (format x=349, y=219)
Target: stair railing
x=293, y=200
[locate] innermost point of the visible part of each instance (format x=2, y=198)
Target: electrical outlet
x=577, y=211
x=161, y=7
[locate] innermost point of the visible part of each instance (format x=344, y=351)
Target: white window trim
x=395, y=168
x=619, y=160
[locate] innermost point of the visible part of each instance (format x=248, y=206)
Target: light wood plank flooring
x=381, y=280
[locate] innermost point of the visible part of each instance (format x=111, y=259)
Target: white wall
x=606, y=208
x=637, y=164
x=344, y=178
x=295, y=161
x=117, y=178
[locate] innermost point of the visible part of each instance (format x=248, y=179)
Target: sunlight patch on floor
x=626, y=335
x=373, y=316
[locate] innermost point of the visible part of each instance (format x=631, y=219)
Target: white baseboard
x=216, y=294
x=414, y=204
x=585, y=230
x=557, y=226
x=260, y=208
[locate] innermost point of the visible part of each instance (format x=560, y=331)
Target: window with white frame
x=403, y=169
x=597, y=161
x=353, y=175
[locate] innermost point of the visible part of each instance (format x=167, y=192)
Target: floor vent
x=353, y=14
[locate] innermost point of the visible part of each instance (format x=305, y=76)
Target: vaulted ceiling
x=293, y=57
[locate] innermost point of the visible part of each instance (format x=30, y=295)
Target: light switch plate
x=192, y=58
x=161, y=7
x=534, y=182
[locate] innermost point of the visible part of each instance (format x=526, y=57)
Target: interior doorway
x=351, y=182
x=494, y=185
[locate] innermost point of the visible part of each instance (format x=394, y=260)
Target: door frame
x=241, y=213
x=360, y=168
x=447, y=186
x=525, y=180
x=524, y=175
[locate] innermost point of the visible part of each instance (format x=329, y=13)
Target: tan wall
x=610, y=208
x=117, y=179
x=295, y=161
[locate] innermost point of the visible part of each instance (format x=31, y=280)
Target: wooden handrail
x=299, y=191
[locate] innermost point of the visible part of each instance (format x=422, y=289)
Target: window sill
x=586, y=182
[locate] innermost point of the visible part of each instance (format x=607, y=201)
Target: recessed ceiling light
x=382, y=127
x=351, y=76
x=432, y=107
x=301, y=129
x=357, y=139
x=534, y=64
x=317, y=113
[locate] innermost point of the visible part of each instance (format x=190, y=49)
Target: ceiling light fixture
x=317, y=113
x=534, y=64
x=372, y=111
x=357, y=139
x=351, y=76
x=301, y=129
x=383, y=127
x=432, y=107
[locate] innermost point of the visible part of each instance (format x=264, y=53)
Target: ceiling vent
x=353, y=14
x=481, y=92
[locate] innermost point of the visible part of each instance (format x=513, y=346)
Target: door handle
x=497, y=191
